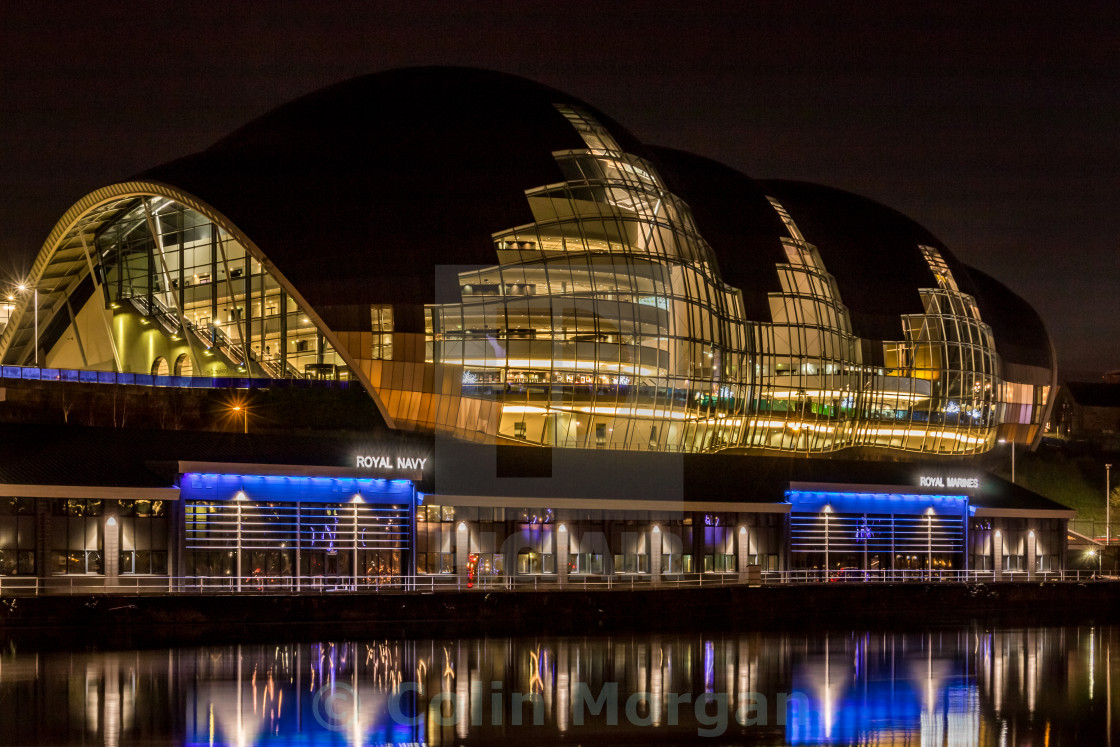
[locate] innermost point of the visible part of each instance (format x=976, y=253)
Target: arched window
x=183, y=366
x=160, y=367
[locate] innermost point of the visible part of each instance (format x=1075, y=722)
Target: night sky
x=995, y=126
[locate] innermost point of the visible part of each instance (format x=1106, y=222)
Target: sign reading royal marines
x=945, y=481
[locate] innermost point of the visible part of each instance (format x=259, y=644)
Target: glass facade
x=248, y=531
x=605, y=324
x=179, y=270
x=487, y=544
x=69, y=535
x=287, y=544
x=876, y=541
x=186, y=299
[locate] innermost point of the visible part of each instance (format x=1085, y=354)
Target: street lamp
x=1107, y=503
x=244, y=415
x=1012, y=442
x=1095, y=553
x=827, y=510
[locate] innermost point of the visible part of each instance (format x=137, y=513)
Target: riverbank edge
x=181, y=619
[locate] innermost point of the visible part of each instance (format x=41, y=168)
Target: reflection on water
x=960, y=686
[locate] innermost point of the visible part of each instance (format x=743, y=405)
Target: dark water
x=959, y=686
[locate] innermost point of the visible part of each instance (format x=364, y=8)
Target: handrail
x=82, y=376
x=69, y=585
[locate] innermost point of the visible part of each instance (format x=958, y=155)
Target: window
x=160, y=367
x=719, y=563
x=183, y=366
x=631, y=563
x=17, y=537
x=77, y=536
x=676, y=563
x=586, y=563
x=143, y=528
x=382, y=326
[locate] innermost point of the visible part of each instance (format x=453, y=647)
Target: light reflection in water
x=958, y=686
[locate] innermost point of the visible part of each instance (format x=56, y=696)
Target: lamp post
x=244, y=415
x=929, y=543
x=1012, y=442
x=827, y=511
x=1107, y=503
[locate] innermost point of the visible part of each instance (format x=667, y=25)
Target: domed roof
x=871, y=250
x=873, y=253
x=735, y=218
x=1020, y=334
x=357, y=191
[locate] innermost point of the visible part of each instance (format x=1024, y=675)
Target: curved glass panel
x=605, y=323
x=173, y=286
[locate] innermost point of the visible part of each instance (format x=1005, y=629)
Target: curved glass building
x=498, y=261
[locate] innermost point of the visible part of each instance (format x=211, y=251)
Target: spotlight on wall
x=111, y=521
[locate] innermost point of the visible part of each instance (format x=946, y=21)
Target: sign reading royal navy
x=390, y=463
x=942, y=481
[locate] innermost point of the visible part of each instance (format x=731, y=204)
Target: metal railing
x=429, y=583
x=33, y=373
x=1097, y=530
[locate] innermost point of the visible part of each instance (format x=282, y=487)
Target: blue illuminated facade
x=878, y=532
x=210, y=512
x=294, y=488
x=291, y=531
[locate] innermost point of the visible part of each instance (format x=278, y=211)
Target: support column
x=98, y=287
x=237, y=320
x=827, y=541
x=744, y=552
x=655, y=554
x=354, y=550
x=111, y=557
x=462, y=546
x=157, y=237
x=284, y=341
x=43, y=538
x=997, y=555
x=563, y=545
x=1031, y=554
x=213, y=285
x=238, y=570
